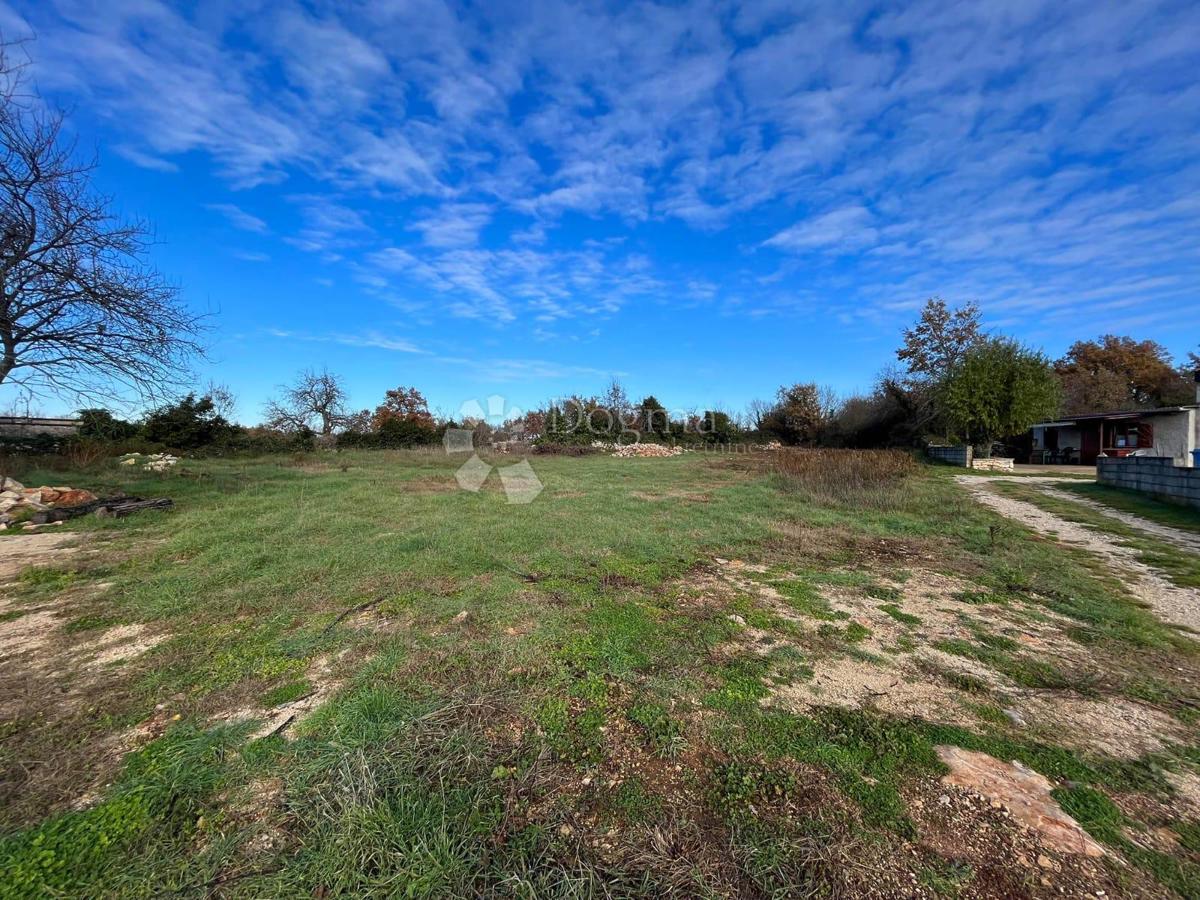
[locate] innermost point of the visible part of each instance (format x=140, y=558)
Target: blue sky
x=704, y=199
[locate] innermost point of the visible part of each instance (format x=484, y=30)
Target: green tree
x=653, y=417
x=716, y=427
x=998, y=389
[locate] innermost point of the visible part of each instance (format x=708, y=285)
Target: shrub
x=102, y=425
x=394, y=434
x=187, y=424
x=560, y=448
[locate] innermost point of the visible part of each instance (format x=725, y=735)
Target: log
x=62, y=513
x=130, y=506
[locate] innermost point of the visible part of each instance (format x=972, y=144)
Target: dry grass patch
x=840, y=477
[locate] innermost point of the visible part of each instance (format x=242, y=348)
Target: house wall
x=1175, y=436
x=1155, y=475
x=20, y=426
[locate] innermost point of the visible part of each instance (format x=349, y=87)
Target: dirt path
x=19, y=551
x=1178, y=605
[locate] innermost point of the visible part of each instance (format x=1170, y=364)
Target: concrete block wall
x=1155, y=475
x=958, y=455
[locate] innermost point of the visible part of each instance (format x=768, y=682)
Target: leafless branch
x=82, y=312
x=315, y=400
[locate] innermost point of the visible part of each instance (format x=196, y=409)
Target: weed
x=572, y=734
x=884, y=592
x=1025, y=670
x=946, y=879
x=899, y=615
x=634, y=802
x=739, y=787
x=1104, y=821
x=856, y=633
x=989, y=712
x=153, y=807
x=741, y=684
x=286, y=693
x=48, y=580
x=664, y=734
x=847, y=477
x=89, y=623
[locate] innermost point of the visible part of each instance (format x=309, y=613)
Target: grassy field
x=695, y=676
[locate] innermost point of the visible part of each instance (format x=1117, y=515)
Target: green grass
x=596, y=684
x=88, y=623
x=152, y=813
x=1172, y=515
x=899, y=615
x=1104, y=821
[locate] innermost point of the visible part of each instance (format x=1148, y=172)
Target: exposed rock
x=1023, y=792
x=68, y=497
x=15, y=499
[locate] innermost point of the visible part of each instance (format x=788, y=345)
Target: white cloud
x=239, y=218
x=251, y=256
x=840, y=230
x=369, y=339
x=1023, y=153
x=453, y=225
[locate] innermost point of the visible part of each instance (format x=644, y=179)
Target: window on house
x=1132, y=435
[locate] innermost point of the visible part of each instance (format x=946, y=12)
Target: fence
x=1155, y=475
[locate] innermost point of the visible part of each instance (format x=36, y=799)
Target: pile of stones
x=18, y=502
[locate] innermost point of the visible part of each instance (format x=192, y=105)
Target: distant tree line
x=83, y=314
x=954, y=382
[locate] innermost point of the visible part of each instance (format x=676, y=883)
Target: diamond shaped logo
x=472, y=474
x=521, y=484
x=459, y=440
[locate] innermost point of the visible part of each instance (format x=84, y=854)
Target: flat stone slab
x=1023, y=792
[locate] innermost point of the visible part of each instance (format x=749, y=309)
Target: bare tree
x=315, y=400
x=223, y=399
x=82, y=312
x=757, y=412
